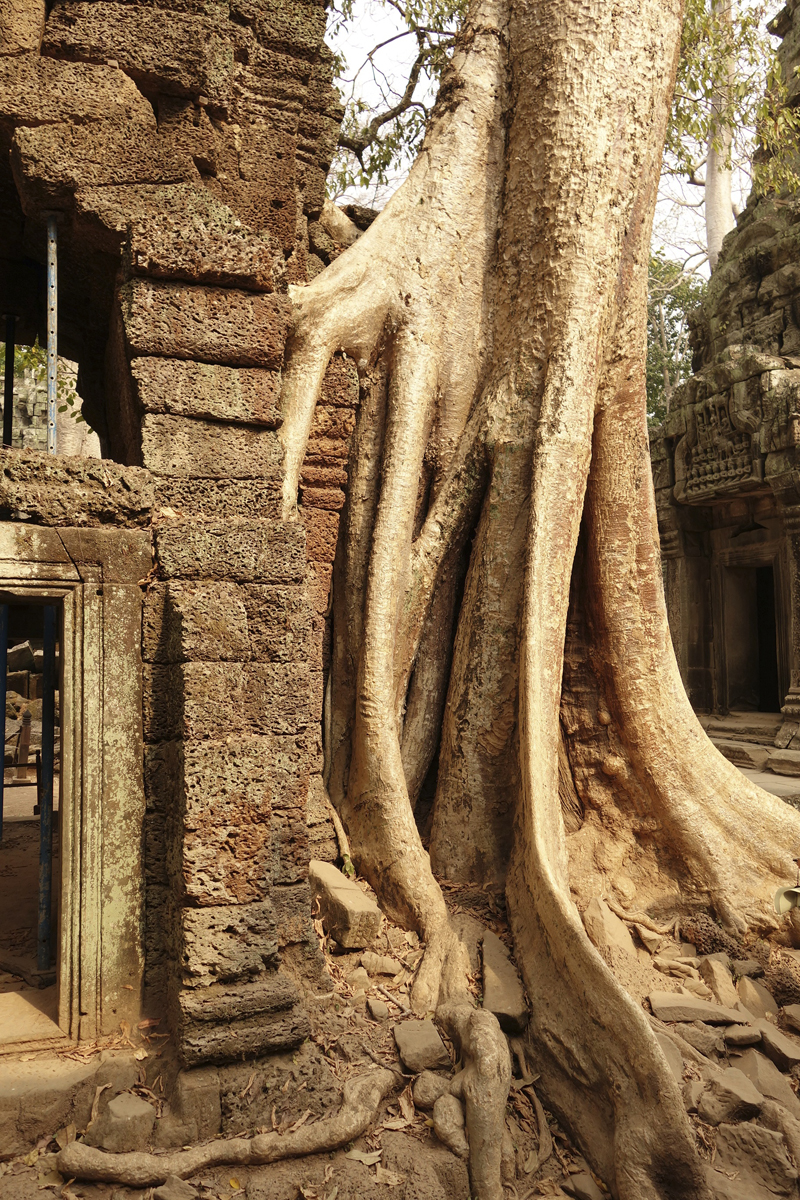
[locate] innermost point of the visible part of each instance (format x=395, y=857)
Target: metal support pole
x=8, y=390
x=3, y=681
x=52, y=331
x=44, y=951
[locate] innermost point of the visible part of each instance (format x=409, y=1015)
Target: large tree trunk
x=496, y=309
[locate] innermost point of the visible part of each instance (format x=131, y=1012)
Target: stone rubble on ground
x=380, y=964
x=175, y=1189
x=582, y=1187
x=755, y=997
x=378, y=1009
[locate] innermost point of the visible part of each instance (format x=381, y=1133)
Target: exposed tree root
x=361, y=1099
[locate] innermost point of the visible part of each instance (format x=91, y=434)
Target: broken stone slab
x=703, y=1038
x=349, y=916
x=792, y=1014
x=669, y=1006
x=768, y=1079
x=377, y=1009
x=730, y=1096
x=581, y=1187
x=420, y=1047
x=672, y=1055
x=784, y=1051
x=605, y=928
x=755, y=1156
x=742, y=1035
x=175, y=1189
x=755, y=997
x=126, y=1124
x=380, y=964
x=718, y=978
x=784, y=762
x=502, y=990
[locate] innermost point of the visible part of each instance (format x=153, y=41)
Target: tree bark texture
x=497, y=312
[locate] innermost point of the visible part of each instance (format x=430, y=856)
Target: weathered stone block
x=228, y=943
x=730, y=1096
x=200, y=622
x=189, y=447
x=125, y=1125
x=218, y=499
x=196, y=389
x=193, y=252
x=349, y=915
x=42, y=91
x=217, y=325
x=54, y=161
x=246, y=551
x=21, y=26
x=207, y=700
x=264, y=206
x=173, y=52
x=290, y=850
x=669, y=1006
x=223, y=1023
x=57, y=491
x=322, y=530
x=785, y=762
x=279, y=622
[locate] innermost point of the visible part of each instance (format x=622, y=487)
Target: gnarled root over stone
x=361, y=1099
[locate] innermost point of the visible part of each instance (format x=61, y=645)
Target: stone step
x=761, y=728
x=785, y=762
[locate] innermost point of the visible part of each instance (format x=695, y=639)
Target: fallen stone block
x=349, y=916
x=692, y=1091
x=126, y=1124
x=742, y=1035
x=420, y=1047
x=502, y=990
x=731, y=1096
x=703, y=1038
x=768, y=1079
x=359, y=979
x=755, y=997
x=747, y=966
x=784, y=1051
x=650, y=940
x=718, y=978
x=669, y=1006
x=20, y=657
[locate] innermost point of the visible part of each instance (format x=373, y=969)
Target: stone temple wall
x=184, y=146
x=727, y=467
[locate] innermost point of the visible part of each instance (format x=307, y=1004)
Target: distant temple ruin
x=727, y=474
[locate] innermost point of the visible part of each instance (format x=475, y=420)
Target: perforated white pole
x=52, y=332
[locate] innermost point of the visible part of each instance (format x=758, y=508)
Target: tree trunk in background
x=718, y=198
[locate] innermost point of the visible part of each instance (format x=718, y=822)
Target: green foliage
x=729, y=78
x=672, y=294
x=371, y=145
x=34, y=359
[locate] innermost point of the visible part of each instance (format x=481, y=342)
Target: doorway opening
x=751, y=637
x=30, y=811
